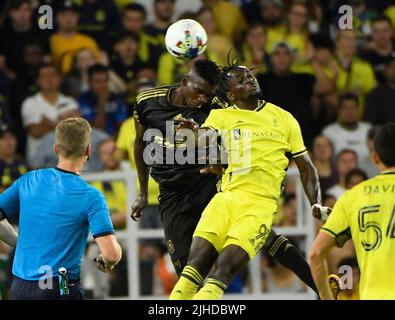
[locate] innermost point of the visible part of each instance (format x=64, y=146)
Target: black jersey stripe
x=294, y=155
x=330, y=231
x=261, y=106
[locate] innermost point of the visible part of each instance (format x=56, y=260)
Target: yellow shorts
x=238, y=218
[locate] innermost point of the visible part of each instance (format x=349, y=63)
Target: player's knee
x=225, y=272
x=202, y=255
x=229, y=263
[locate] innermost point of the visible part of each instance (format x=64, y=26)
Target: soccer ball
x=186, y=39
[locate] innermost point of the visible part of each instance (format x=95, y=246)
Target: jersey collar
x=65, y=171
x=261, y=105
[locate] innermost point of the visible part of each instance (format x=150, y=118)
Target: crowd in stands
x=338, y=83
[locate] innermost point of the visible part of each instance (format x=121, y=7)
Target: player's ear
x=375, y=157
x=88, y=150
x=56, y=149
x=230, y=96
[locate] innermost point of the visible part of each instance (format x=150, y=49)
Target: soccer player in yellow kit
x=367, y=213
x=260, y=139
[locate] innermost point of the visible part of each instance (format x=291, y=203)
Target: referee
x=57, y=211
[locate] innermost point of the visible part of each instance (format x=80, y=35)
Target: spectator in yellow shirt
x=217, y=44
x=355, y=74
x=229, y=19
x=67, y=40
x=253, y=50
x=272, y=12
x=114, y=191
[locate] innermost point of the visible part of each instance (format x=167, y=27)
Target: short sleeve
x=9, y=200
x=138, y=112
x=214, y=120
x=337, y=224
x=295, y=138
x=99, y=216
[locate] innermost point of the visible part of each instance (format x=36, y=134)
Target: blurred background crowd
x=339, y=84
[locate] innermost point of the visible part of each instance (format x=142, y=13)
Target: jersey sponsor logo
x=236, y=134
x=260, y=239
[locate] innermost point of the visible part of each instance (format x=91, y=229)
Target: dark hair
x=208, y=70
x=157, y=1
x=348, y=96
x=321, y=41
x=126, y=34
x=222, y=88
x=349, y=261
x=187, y=15
x=135, y=7
x=46, y=65
x=355, y=172
x=344, y=151
x=327, y=196
x=372, y=133
x=384, y=144
x=16, y=4
x=382, y=18
x=97, y=68
x=288, y=197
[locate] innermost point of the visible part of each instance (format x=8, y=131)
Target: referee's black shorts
x=180, y=214
x=30, y=290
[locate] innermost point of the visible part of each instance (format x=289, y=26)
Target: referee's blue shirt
x=57, y=210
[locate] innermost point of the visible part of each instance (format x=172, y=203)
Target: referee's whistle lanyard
x=64, y=284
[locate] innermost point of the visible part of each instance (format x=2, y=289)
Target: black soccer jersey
x=155, y=112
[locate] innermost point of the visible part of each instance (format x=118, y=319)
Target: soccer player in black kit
x=184, y=190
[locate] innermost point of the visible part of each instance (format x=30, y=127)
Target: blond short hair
x=73, y=135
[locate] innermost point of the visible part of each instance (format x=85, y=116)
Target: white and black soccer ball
x=186, y=39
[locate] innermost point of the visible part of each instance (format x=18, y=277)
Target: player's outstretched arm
x=142, y=172
x=7, y=232
x=311, y=185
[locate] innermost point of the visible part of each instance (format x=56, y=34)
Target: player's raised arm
x=142, y=172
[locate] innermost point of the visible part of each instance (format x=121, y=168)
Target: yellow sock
x=187, y=285
x=212, y=290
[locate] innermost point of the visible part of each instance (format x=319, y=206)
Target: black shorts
x=180, y=214
x=30, y=290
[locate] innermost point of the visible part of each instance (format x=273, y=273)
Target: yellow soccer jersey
x=368, y=210
x=258, y=144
